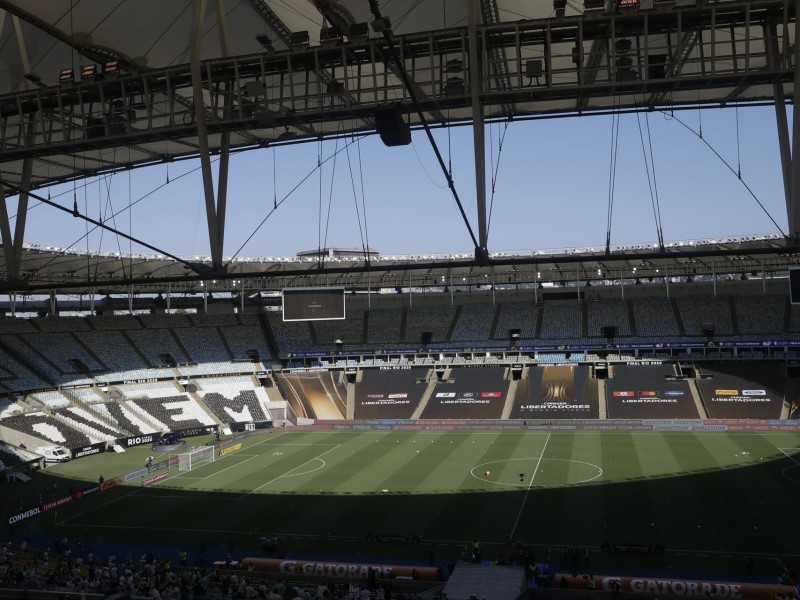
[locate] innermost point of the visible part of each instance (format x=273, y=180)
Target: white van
x=53, y=453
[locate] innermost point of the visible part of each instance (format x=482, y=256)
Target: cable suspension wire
x=660, y=231
x=363, y=201
x=355, y=200
x=612, y=173
x=501, y=140
x=57, y=206
x=650, y=181
x=738, y=147
x=731, y=169
x=330, y=197
x=100, y=224
x=319, y=208
x=387, y=36
x=282, y=200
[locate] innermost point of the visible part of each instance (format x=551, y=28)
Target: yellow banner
x=229, y=450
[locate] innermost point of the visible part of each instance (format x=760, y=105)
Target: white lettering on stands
x=144, y=439
x=23, y=515
x=333, y=569
x=678, y=587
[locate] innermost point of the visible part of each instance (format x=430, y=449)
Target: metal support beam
x=225, y=142
x=475, y=83
x=793, y=212
x=773, y=59
x=214, y=239
x=12, y=246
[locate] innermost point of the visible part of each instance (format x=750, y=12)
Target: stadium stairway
x=698, y=400
x=351, y=401
x=601, y=399
x=510, y=396
x=78, y=401
x=423, y=402
x=142, y=415
x=488, y=582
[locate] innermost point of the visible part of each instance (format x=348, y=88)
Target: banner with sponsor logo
x=138, y=440
x=472, y=393
x=338, y=569
x=46, y=506
x=88, y=450
x=652, y=586
x=392, y=393
x=148, y=481
x=136, y=474
x=648, y=391
x=557, y=392
x=229, y=450
x=194, y=431
x=750, y=390
x=25, y=514
x=158, y=466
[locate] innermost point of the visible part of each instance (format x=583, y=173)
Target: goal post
x=194, y=458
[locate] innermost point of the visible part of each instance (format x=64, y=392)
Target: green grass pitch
x=725, y=493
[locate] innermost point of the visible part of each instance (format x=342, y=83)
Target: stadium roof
x=657, y=54
x=155, y=81
x=67, y=270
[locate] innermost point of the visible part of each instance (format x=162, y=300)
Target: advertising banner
x=138, y=440
x=338, y=569
x=229, y=450
x=154, y=479
x=88, y=450
x=680, y=587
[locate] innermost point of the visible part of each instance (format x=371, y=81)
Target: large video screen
x=313, y=304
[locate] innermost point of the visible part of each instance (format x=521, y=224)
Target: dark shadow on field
x=734, y=512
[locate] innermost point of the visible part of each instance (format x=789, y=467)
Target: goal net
x=194, y=458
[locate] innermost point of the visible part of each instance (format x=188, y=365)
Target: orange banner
x=678, y=587
x=339, y=569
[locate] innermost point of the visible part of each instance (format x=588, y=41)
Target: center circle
x=517, y=472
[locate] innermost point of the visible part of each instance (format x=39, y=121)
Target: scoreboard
x=313, y=304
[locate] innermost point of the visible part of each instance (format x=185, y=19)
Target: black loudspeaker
x=514, y=334
x=426, y=338
x=657, y=66
x=94, y=128
x=609, y=331
x=394, y=131
x=707, y=330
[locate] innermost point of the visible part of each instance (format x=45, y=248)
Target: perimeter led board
x=313, y=304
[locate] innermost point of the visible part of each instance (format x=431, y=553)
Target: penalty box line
x=292, y=470
x=139, y=489
x=791, y=457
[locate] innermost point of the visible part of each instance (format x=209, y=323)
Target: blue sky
x=552, y=190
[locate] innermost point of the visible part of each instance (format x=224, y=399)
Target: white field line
x=528, y=490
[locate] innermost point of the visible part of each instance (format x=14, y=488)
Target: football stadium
x=220, y=378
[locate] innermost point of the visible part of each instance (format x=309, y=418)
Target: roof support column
x=475, y=84
x=212, y=218
x=773, y=63
x=793, y=212
x=225, y=143
x=12, y=246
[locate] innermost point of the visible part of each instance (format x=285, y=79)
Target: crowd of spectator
x=62, y=568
